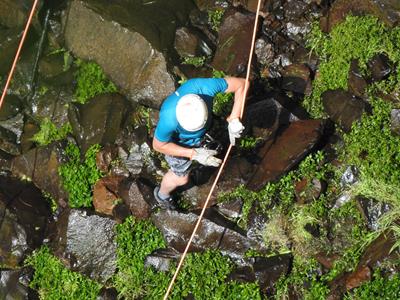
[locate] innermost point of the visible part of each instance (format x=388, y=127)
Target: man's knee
x=182, y=180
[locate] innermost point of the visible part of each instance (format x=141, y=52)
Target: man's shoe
x=164, y=204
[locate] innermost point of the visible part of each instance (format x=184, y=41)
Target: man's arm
x=172, y=149
x=236, y=85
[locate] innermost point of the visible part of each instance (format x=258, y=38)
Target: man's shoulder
x=204, y=85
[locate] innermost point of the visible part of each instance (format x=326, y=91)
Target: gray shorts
x=179, y=165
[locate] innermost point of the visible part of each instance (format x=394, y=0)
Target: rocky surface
x=280, y=154
x=14, y=284
x=177, y=228
x=86, y=243
x=24, y=220
x=99, y=121
x=139, y=34
x=343, y=107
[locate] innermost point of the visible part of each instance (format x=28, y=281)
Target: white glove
x=235, y=128
x=206, y=157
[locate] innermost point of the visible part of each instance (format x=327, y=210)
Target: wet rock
x=99, y=121
x=52, y=65
x=231, y=209
x=385, y=10
x=138, y=196
x=298, y=30
x=264, y=52
x=236, y=173
x=41, y=166
x=107, y=294
x=161, y=259
x=268, y=270
x=177, y=229
x=343, y=108
x=380, y=66
x=242, y=274
x=24, y=218
x=372, y=210
x=251, y=5
x=285, y=151
x=15, y=13
x=86, y=244
x=395, y=121
x=186, y=42
x=356, y=82
x=105, y=157
x=342, y=200
x=14, y=285
x=358, y=277
x=140, y=32
x=296, y=78
x=136, y=158
x=307, y=191
x=349, y=177
x=12, y=106
x=232, y=54
x=30, y=129
x=105, y=194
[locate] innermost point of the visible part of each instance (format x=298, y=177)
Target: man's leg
x=170, y=182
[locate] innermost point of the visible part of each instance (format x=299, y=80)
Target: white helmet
x=191, y=112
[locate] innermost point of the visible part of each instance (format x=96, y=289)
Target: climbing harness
x=21, y=43
x=222, y=165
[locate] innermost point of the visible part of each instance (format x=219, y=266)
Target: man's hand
x=206, y=157
x=235, y=128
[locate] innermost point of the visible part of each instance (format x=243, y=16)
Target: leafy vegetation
x=55, y=282
x=196, y=61
x=356, y=38
x=49, y=132
x=91, y=81
x=78, y=177
x=215, y=18
x=380, y=287
x=202, y=276
x=223, y=102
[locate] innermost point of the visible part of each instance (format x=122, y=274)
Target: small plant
x=196, y=61
x=215, y=18
x=91, y=81
x=49, y=132
x=249, y=142
x=274, y=233
x=142, y=117
x=53, y=281
x=223, y=102
x=78, y=177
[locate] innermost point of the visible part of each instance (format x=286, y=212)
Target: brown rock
x=233, y=44
x=186, y=42
x=296, y=78
x=358, y=277
x=138, y=196
x=386, y=10
x=307, y=191
x=280, y=155
x=15, y=13
x=356, y=82
x=105, y=194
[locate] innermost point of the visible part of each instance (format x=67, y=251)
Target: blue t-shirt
x=168, y=128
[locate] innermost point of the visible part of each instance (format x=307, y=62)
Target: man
x=185, y=117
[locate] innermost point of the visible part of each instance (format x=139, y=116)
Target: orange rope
x=222, y=165
x=10, y=75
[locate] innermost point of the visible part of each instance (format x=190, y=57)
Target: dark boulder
x=380, y=67
x=86, y=244
x=282, y=153
x=343, y=108
x=140, y=33
x=99, y=121
x=14, y=284
x=234, y=41
x=9, y=39
x=161, y=259
x=296, y=78
x=41, y=166
x=15, y=13
x=186, y=42
x=177, y=228
x=24, y=219
x=356, y=82
x=105, y=194
x=372, y=211
x=386, y=10
x=137, y=196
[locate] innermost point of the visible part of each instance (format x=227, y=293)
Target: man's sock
x=163, y=197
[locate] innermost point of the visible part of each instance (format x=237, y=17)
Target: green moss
x=78, y=177
x=49, y=132
x=196, y=61
x=356, y=38
x=55, y=282
x=215, y=18
x=91, y=81
x=203, y=275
